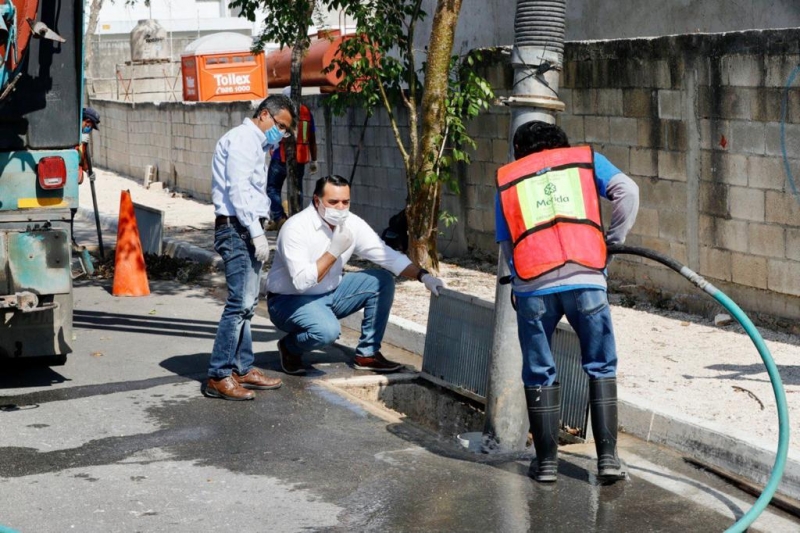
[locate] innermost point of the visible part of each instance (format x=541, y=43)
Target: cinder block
x=793, y=244
x=573, y=126
x=715, y=263
x=656, y=244
x=778, y=68
x=766, y=172
x=742, y=70
x=609, y=102
x=749, y=271
x=500, y=150
x=637, y=103
x=782, y=208
x=734, y=103
x=782, y=276
x=584, y=102
x=618, y=155
x=672, y=225
x=596, y=129
x=729, y=169
x=791, y=139
x=669, y=104
x=648, y=133
x=766, y=240
x=503, y=126
x=731, y=235
x=673, y=136
x=565, y=95
x=644, y=162
x=678, y=252
x=672, y=165
x=748, y=137
x=746, y=203
x=662, y=78
x=662, y=194
x=623, y=130
x=766, y=105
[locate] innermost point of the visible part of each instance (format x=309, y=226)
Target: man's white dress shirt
x=305, y=237
x=239, y=176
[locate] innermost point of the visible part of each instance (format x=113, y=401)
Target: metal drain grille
x=458, y=343
x=458, y=347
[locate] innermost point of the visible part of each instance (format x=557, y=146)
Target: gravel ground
x=676, y=362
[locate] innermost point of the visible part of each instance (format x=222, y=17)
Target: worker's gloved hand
x=313, y=167
x=341, y=241
x=432, y=283
x=262, y=248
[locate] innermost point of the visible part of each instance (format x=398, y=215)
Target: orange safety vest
x=551, y=205
x=302, y=153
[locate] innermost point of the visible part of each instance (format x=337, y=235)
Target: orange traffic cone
x=130, y=276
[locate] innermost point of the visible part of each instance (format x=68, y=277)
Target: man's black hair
x=274, y=104
x=333, y=179
x=535, y=136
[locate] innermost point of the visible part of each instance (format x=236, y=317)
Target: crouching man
x=307, y=292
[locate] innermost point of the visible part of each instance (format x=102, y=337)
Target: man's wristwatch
x=421, y=273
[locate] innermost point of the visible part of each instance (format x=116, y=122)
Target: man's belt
x=224, y=220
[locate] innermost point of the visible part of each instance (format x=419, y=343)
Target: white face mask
x=334, y=217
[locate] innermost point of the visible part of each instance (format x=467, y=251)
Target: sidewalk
x=189, y=234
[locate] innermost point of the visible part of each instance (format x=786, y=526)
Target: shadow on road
x=156, y=325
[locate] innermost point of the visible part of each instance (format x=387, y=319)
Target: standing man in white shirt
x=238, y=190
x=308, y=293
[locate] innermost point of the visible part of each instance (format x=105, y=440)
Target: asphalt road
x=121, y=439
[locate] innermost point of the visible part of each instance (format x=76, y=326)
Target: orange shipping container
x=220, y=68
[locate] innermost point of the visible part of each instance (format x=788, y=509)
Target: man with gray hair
x=241, y=205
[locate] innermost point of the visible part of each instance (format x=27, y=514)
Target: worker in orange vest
x=305, y=153
x=550, y=231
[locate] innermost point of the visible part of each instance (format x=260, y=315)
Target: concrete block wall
x=695, y=120
x=178, y=138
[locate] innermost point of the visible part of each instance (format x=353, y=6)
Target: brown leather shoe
x=228, y=389
x=376, y=362
x=255, y=379
x=291, y=363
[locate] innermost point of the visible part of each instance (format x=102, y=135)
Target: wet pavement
x=121, y=439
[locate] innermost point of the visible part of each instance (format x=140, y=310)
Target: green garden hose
x=777, y=386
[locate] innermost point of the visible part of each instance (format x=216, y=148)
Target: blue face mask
x=87, y=129
x=274, y=135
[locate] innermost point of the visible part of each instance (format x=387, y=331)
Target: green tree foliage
x=380, y=69
x=429, y=95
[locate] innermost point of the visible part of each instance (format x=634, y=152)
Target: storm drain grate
x=458, y=347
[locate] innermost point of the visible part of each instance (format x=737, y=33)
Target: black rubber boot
x=603, y=404
x=544, y=407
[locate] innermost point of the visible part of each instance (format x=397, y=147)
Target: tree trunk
x=423, y=208
x=294, y=184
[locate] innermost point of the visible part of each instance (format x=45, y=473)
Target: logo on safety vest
x=549, y=189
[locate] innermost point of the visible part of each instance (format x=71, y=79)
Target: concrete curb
x=749, y=459
x=744, y=457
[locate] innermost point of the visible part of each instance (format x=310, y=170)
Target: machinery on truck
x=41, y=85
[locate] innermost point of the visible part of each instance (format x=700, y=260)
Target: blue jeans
x=589, y=315
x=233, y=345
x=312, y=321
x=276, y=175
